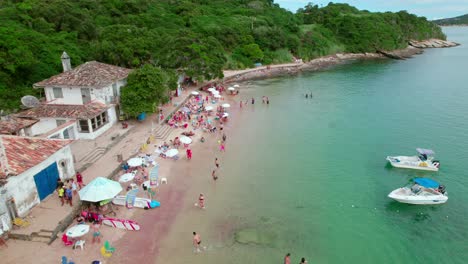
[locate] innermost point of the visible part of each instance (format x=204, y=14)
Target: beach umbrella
x=135, y=162
x=77, y=231
x=126, y=177
x=231, y=88
x=172, y=153
x=185, y=140
x=185, y=109
x=100, y=189
x=215, y=92
x=226, y=105
x=225, y=115
x=211, y=89
x=236, y=85
x=217, y=96
x=195, y=93
x=208, y=108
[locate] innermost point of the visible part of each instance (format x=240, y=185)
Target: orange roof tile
x=86, y=111
x=13, y=124
x=23, y=153
x=90, y=74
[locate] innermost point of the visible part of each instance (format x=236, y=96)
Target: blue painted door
x=46, y=180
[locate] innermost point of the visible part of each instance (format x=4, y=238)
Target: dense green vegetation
x=147, y=87
x=459, y=20
x=197, y=37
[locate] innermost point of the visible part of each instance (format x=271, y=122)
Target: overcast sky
x=432, y=9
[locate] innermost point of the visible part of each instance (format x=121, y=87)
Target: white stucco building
x=81, y=103
x=29, y=169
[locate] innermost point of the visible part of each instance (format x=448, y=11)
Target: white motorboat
x=425, y=161
x=421, y=191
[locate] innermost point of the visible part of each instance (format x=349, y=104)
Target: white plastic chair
x=80, y=243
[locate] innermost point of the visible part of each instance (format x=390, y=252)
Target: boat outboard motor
x=441, y=189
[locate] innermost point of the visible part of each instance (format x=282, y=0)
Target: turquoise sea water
x=309, y=176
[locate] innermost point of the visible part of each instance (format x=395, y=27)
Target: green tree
x=146, y=88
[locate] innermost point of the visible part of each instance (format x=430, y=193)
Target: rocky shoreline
x=263, y=72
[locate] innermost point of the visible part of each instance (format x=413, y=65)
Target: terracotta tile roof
x=14, y=124
x=90, y=74
x=86, y=111
x=24, y=153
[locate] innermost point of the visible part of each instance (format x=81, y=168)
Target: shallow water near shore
x=309, y=176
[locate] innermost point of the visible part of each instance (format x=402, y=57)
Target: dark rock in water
x=255, y=236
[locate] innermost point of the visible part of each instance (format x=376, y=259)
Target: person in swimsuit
x=96, y=232
x=201, y=201
x=196, y=241
x=213, y=174
x=216, y=163
x=287, y=259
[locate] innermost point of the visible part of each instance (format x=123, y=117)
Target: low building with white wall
x=29, y=169
x=88, y=94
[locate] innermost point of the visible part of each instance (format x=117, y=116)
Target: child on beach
x=74, y=187
x=61, y=193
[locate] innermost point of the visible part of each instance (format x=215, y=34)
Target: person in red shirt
x=79, y=180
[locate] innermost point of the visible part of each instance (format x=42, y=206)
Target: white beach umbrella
x=208, y=108
x=226, y=105
x=217, y=96
x=211, y=89
x=78, y=231
x=225, y=115
x=231, y=89
x=215, y=92
x=126, y=177
x=185, y=140
x=195, y=93
x=236, y=85
x=171, y=153
x=100, y=189
x=135, y=162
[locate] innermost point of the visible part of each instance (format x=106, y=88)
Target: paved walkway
x=99, y=157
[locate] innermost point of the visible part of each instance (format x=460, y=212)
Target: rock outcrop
x=401, y=54
x=432, y=43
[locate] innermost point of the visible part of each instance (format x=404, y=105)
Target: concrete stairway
x=43, y=236
x=162, y=132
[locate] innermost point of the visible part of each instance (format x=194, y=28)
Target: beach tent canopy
x=425, y=182
x=100, y=189
x=425, y=151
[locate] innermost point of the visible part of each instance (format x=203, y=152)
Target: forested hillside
x=199, y=37
x=459, y=20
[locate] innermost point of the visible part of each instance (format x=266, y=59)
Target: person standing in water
x=253, y=100
x=287, y=259
x=307, y=95
x=201, y=201
x=196, y=241
x=213, y=174
x=303, y=261
x=216, y=163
